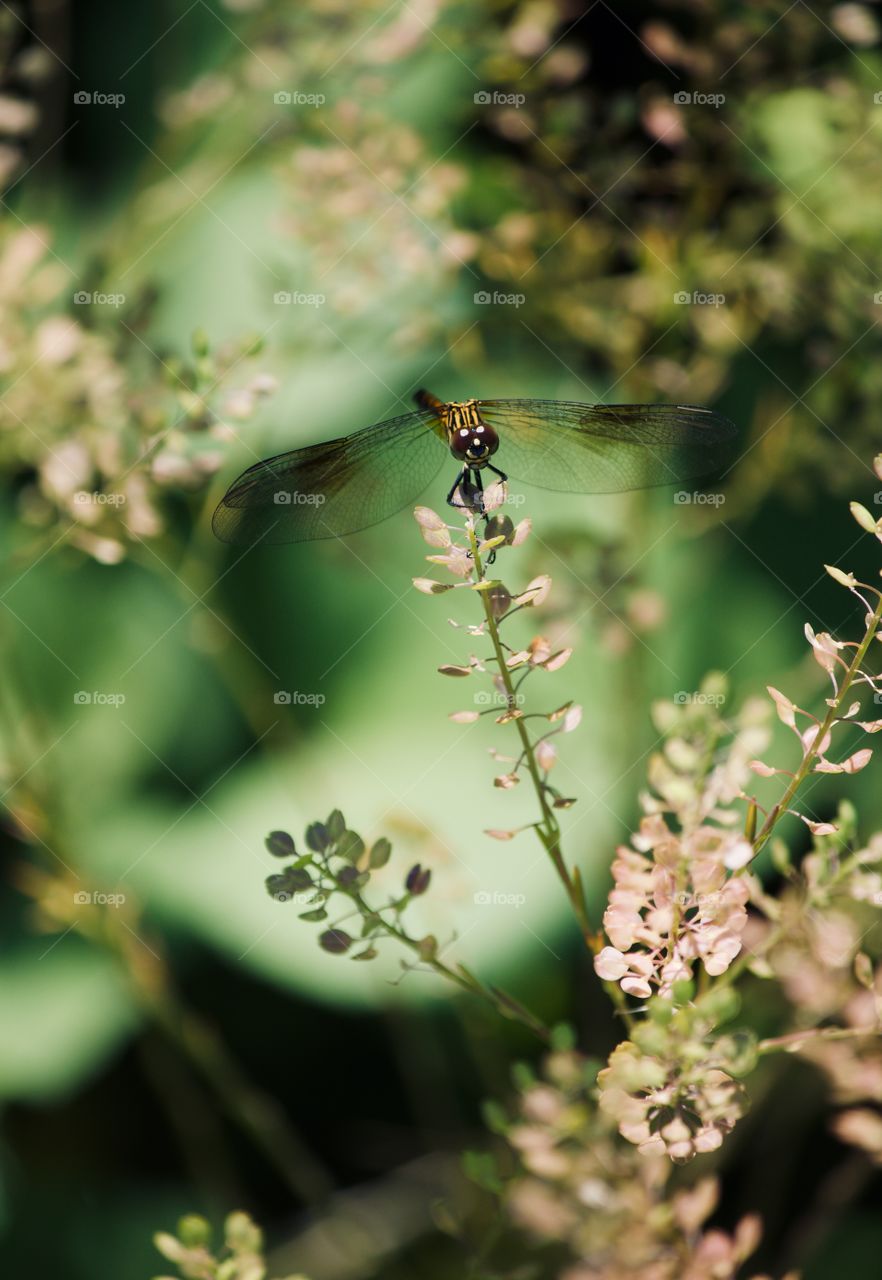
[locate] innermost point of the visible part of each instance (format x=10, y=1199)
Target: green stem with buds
x=827, y=723
x=548, y=828
x=501, y=1001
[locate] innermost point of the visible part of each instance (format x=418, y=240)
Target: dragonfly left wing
x=333, y=489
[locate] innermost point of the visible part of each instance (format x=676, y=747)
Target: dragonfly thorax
x=471, y=440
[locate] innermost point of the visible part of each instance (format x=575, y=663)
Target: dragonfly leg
x=477, y=503
x=502, y=476
x=463, y=475
x=479, y=485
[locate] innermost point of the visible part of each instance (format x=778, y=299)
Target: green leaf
x=317, y=913
x=480, y=1168
x=380, y=853
x=194, y=1231
x=369, y=954
x=350, y=846
x=523, y=1076
x=280, y=844
x=286, y=883
x=660, y=1010
x=241, y=1234
x=335, y=941
x=317, y=837
x=495, y=1116
x=336, y=825
x=563, y=1037
x=591, y=1068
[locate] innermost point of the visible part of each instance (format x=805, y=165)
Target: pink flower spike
x=535, y=591
x=635, y=986
x=494, y=495
x=808, y=737
x=557, y=660
x=764, y=770
x=853, y=764
x=824, y=648
x=858, y=761
x=739, y=855
x=816, y=828
x=430, y=587
x=457, y=561
x=426, y=518
x=610, y=964
x=522, y=532
x=436, y=537
x=784, y=707
x=573, y=719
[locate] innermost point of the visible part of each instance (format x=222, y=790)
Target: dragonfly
x=339, y=487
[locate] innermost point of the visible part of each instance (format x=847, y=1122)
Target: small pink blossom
x=674, y=903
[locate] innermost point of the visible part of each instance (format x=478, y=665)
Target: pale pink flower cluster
x=672, y=1108
x=613, y=1207
x=675, y=901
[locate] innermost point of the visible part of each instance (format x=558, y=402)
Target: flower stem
x=814, y=750
x=548, y=829
x=501, y=1001
x=794, y=1040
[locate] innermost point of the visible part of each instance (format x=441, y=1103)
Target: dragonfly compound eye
x=461, y=443
x=472, y=444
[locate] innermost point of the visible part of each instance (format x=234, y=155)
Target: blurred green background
x=265, y=225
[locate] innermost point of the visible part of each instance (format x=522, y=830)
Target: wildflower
x=672, y=1089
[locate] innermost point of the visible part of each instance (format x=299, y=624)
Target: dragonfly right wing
x=606, y=448
x=336, y=488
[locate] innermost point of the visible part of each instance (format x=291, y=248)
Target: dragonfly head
x=473, y=443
